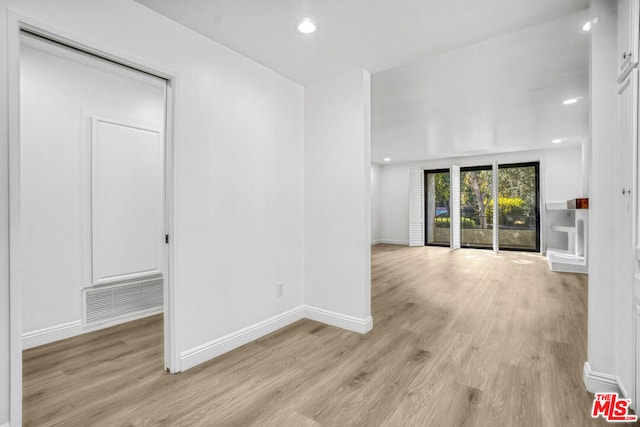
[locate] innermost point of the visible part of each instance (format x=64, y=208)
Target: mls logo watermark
x=611, y=408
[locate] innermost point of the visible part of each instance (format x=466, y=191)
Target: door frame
x=15, y=24
x=426, y=207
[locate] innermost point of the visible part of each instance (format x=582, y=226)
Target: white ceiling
x=371, y=34
x=500, y=95
x=449, y=77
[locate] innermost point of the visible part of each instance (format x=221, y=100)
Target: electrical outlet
x=280, y=289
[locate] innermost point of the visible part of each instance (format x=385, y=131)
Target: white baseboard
x=343, y=321
x=599, y=382
x=394, y=242
x=72, y=329
x=217, y=347
x=51, y=334
x=376, y=242
x=207, y=351
x=623, y=390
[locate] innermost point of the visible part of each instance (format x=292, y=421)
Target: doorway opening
x=438, y=210
x=88, y=211
x=92, y=151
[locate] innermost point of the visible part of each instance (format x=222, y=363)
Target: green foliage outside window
x=464, y=222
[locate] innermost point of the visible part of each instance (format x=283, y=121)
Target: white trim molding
x=72, y=329
x=600, y=382
x=207, y=351
x=51, y=334
x=350, y=323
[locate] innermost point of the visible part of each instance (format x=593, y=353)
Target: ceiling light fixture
x=556, y=141
x=306, y=26
x=387, y=159
x=587, y=26
x=571, y=100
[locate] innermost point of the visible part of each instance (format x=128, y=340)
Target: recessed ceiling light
x=387, y=159
x=571, y=100
x=556, y=141
x=587, y=26
x=306, y=26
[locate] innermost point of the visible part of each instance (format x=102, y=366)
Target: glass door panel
x=437, y=213
x=476, y=219
x=518, y=219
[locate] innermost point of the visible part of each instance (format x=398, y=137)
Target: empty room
x=319, y=213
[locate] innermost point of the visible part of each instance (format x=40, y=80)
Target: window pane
x=517, y=202
x=475, y=217
x=437, y=208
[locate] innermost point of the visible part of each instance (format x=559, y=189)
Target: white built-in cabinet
x=623, y=290
x=628, y=16
x=626, y=284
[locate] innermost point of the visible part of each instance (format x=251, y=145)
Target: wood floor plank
x=460, y=338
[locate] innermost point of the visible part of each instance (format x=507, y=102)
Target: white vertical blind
x=455, y=207
x=416, y=207
x=496, y=208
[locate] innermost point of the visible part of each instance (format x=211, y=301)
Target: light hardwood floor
x=463, y=338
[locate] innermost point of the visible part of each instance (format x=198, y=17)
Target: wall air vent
x=125, y=299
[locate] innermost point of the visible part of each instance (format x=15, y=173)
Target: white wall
x=560, y=180
x=376, y=171
x=337, y=195
x=239, y=131
x=602, y=230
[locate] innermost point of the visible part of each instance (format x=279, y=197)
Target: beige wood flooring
x=463, y=338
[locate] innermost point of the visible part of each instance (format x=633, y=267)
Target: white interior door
x=635, y=196
x=623, y=288
x=128, y=203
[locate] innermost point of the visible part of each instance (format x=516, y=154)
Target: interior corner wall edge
x=337, y=195
x=238, y=172
x=603, y=106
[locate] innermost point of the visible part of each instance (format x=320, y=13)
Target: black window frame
x=536, y=165
x=426, y=207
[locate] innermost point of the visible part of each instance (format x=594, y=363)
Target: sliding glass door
x=476, y=219
x=518, y=204
x=437, y=207
x=516, y=223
